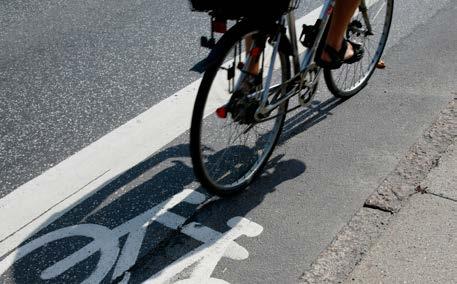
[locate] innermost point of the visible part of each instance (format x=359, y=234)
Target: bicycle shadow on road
x=303, y=120
x=129, y=218
x=168, y=259
x=166, y=262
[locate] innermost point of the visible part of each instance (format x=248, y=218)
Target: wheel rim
x=232, y=152
x=350, y=78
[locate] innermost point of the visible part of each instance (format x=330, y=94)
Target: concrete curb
x=419, y=244
x=336, y=262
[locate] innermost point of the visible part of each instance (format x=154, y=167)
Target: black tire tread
x=217, y=55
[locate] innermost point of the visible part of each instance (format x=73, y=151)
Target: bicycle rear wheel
x=349, y=79
x=229, y=152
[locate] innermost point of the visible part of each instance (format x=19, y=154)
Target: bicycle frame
x=257, y=57
x=300, y=68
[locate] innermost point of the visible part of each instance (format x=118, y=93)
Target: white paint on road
x=104, y=242
x=215, y=245
x=42, y=200
x=208, y=255
x=107, y=241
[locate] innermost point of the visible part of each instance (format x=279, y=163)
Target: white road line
x=42, y=200
x=106, y=241
x=207, y=256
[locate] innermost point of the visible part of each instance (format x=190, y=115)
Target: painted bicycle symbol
x=106, y=242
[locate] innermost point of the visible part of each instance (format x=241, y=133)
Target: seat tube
x=364, y=10
x=293, y=39
x=326, y=11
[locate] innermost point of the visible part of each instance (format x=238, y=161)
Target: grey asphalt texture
x=72, y=71
x=62, y=89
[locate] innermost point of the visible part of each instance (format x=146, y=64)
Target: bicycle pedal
x=305, y=99
x=309, y=33
x=306, y=95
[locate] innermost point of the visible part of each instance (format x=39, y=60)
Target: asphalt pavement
x=71, y=72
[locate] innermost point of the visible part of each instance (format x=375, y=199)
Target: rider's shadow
x=303, y=120
x=143, y=187
x=215, y=215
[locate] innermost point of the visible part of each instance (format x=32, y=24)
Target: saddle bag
x=236, y=9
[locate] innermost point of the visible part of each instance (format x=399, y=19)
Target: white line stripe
x=71, y=181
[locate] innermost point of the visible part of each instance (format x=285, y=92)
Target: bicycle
x=236, y=125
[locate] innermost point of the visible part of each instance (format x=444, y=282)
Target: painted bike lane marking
x=57, y=190
x=207, y=256
x=215, y=244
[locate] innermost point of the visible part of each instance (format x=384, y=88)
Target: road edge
x=337, y=261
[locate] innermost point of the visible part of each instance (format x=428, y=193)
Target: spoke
x=222, y=177
x=261, y=126
x=215, y=167
x=230, y=142
x=246, y=138
x=379, y=11
x=259, y=135
x=368, y=50
x=227, y=122
x=241, y=133
x=362, y=71
x=256, y=130
x=366, y=58
x=223, y=153
x=345, y=78
x=226, y=125
x=354, y=77
x=237, y=134
x=340, y=74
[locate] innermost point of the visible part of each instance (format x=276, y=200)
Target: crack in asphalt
x=442, y=196
x=164, y=243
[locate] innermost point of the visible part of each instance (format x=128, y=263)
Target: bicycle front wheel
x=371, y=29
x=230, y=149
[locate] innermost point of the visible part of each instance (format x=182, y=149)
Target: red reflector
x=255, y=52
x=219, y=26
x=221, y=112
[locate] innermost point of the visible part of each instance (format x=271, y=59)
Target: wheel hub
x=243, y=108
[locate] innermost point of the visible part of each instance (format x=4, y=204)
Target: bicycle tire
x=200, y=166
x=333, y=78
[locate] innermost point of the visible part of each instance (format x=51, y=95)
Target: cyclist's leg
x=253, y=67
x=342, y=13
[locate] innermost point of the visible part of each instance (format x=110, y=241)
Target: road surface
x=94, y=161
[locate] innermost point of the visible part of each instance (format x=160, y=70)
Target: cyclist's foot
x=349, y=52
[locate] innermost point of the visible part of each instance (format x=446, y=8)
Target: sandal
x=337, y=57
